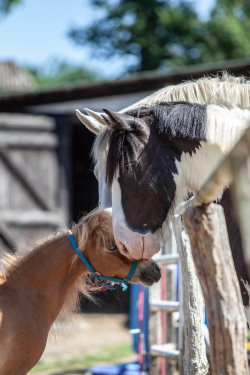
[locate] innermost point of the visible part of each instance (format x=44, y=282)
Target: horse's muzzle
x=148, y=272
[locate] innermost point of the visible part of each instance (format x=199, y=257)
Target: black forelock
x=175, y=120
x=123, y=147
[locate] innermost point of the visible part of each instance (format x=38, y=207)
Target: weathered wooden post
x=241, y=199
x=193, y=359
x=213, y=260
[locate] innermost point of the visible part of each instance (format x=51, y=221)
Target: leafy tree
x=156, y=31
x=227, y=31
x=7, y=5
x=62, y=73
x=163, y=34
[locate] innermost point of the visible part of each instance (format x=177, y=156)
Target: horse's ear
x=92, y=120
x=116, y=120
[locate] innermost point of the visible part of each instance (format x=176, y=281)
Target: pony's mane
x=98, y=223
x=10, y=260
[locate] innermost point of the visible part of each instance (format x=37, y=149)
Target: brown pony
x=34, y=288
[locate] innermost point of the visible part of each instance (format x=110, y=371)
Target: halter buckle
x=97, y=274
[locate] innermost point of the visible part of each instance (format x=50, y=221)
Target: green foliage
x=7, y=5
x=161, y=34
x=155, y=31
x=62, y=73
x=228, y=31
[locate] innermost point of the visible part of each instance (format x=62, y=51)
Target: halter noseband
x=101, y=279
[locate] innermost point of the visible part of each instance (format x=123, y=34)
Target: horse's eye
x=112, y=248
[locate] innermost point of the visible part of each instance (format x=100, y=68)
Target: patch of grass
x=110, y=355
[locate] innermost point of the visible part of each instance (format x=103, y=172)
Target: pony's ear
x=116, y=120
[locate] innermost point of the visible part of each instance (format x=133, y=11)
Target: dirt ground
x=85, y=334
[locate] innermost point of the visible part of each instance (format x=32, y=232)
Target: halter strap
x=99, y=277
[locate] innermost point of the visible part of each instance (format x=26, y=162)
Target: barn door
x=31, y=182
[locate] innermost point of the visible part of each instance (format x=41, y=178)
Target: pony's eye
x=112, y=248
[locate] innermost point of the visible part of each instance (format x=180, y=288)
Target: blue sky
x=35, y=33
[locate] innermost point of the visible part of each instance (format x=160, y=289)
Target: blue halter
x=101, y=279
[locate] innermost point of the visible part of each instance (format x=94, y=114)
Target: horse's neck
x=195, y=169
x=225, y=126
x=48, y=271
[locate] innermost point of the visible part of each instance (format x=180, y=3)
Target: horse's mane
x=97, y=223
x=222, y=89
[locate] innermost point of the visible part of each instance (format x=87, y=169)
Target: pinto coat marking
x=224, y=90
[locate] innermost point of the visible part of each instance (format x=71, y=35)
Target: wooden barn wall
x=31, y=183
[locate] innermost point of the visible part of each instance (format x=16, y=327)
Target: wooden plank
x=26, y=122
x=33, y=218
x=213, y=260
x=41, y=169
x=22, y=140
x=193, y=359
x=20, y=176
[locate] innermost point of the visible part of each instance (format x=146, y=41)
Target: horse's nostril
x=158, y=268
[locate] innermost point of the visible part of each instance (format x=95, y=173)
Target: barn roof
x=113, y=94
x=14, y=78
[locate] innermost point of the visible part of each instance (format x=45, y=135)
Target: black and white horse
x=151, y=157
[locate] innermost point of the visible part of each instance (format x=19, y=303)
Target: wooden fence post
x=241, y=197
x=207, y=231
x=193, y=359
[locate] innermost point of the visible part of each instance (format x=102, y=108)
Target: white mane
x=225, y=90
